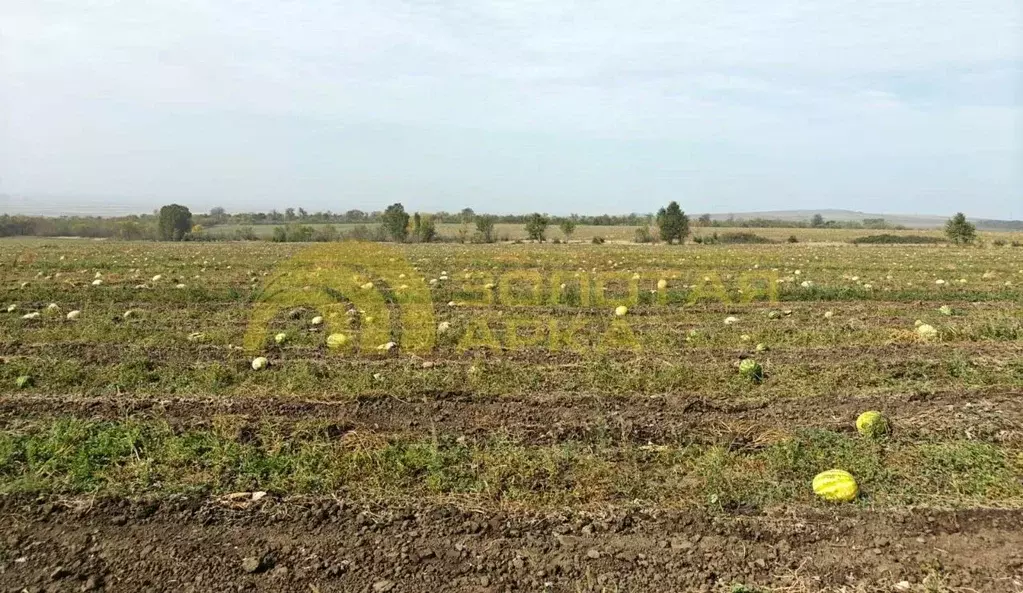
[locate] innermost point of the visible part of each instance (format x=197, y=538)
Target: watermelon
x=872, y=424
x=835, y=485
x=751, y=369
x=336, y=340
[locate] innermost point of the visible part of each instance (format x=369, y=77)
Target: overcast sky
x=514, y=105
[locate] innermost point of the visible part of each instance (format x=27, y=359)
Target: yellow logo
x=368, y=291
x=371, y=298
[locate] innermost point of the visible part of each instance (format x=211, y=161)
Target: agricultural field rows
x=533, y=437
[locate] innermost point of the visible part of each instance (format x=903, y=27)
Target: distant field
x=512, y=232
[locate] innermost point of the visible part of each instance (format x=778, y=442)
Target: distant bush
x=792, y=239
x=364, y=232
x=643, y=235
x=743, y=237
x=597, y=240
x=999, y=243
x=245, y=233
x=897, y=239
x=293, y=233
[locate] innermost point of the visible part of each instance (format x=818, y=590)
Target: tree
x=536, y=226
x=705, y=220
x=959, y=230
x=467, y=215
x=218, y=215
x=289, y=214
x=673, y=223
x=427, y=229
x=175, y=221
x=130, y=230
x=485, y=226
x=817, y=221
x=567, y=227
x=423, y=228
x=395, y=222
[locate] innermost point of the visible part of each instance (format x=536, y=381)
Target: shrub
x=597, y=240
x=897, y=239
x=959, y=230
x=643, y=235
x=743, y=237
x=792, y=239
x=245, y=233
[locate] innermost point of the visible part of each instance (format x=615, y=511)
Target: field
x=491, y=424
x=585, y=233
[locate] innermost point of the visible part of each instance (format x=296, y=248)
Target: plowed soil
x=328, y=545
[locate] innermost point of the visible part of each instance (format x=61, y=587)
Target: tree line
x=175, y=222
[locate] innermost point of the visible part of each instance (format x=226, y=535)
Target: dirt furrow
x=994, y=414
x=331, y=545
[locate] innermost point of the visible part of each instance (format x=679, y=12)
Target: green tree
x=673, y=223
x=395, y=222
x=417, y=223
x=423, y=228
x=485, y=227
x=705, y=220
x=130, y=230
x=427, y=229
x=175, y=221
x=536, y=226
x=817, y=221
x=567, y=227
x=959, y=230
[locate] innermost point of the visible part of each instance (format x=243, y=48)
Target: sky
x=558, y=106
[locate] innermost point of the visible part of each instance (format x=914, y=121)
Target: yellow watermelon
x=835, y=485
